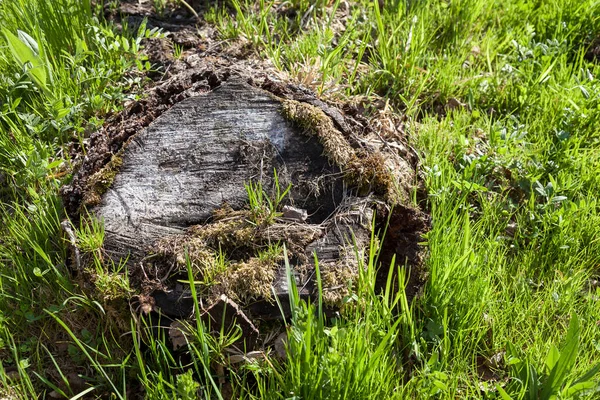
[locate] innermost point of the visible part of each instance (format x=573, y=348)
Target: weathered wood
x=198, y=156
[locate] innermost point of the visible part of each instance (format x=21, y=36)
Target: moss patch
x=100, y=181
x=338, y=280
x=368, y=170
x=223, y=256
x=314, y=121
x=249, y=280
x=233, y=256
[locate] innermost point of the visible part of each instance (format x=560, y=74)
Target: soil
x=375, y=139
x=593, y=53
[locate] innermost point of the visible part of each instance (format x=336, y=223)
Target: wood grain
x=198, y=155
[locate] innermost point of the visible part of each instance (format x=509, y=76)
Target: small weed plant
x=552, y=380
x=264, y=208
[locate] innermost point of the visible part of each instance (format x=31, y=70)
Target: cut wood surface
x=198, y=156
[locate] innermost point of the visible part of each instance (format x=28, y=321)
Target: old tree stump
x=175, y=195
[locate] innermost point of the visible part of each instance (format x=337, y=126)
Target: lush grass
x=501, y=105
x=78, y=70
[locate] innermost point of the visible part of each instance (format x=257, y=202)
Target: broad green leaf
x=440, y=385
x=24, y=54
x=16, y=103
x=533, y=382
x=503, y=393
x=29, y=42
x=54, y=164
x=433, y=360
x=579, y=387
x=558, y=199
x=513, y=361
x=565, y=362
x=592, y=372
x=553, y=356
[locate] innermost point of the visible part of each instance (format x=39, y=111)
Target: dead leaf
x=177, y=335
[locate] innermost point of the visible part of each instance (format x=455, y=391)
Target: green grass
x=74, y=70
x=501, y=105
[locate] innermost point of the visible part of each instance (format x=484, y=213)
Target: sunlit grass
x=503, y=108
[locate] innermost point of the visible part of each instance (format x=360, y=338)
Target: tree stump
x=174, y=199
x=199, y=155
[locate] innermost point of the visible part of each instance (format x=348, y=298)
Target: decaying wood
x=198, y=156
x=159, y=168
x=173, y=178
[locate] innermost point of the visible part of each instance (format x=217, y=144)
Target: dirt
x=405, y=229
x=593, y=53
x=357, y=134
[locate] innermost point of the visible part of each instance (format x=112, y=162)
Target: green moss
x=249, y=280
x=371, y=173
x=112, y=285
x=314, y=121
x=338, y=280
x=99, y=182
x=228, y=256
x=228, y=233
x=367, y=170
